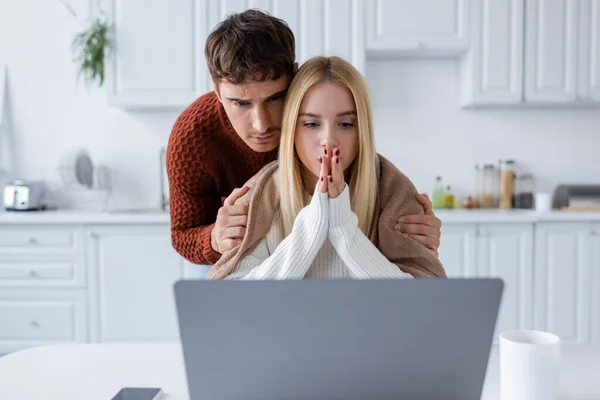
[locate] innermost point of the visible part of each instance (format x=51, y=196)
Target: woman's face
x=327, y=120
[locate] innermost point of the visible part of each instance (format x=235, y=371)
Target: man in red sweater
x=226, y=136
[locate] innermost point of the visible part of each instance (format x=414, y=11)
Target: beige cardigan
x=396, y=197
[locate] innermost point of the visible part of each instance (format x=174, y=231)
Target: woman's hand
x=331, y=179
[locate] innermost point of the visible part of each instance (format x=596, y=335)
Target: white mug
x=529, y=365
x=543, y=202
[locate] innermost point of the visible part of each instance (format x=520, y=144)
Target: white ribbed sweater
x=325, y=242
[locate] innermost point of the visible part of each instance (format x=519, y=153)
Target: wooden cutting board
x=581, y=208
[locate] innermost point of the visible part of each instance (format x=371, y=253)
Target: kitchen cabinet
x=158, y=57
x=155, y=68
x=595, y=283
x=457, y=250
x=503, y=250
x=589, y=51
x=321, y=27
x=506, y=251
x=492, y=70
x=424, y=27
x=103, y=278
x=532, y=53
x=43, y=284
x=567, y=270
x=551, y=50
x=136, y=268
x=35, y=317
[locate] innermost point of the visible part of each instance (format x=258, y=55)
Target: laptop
x=337, y=339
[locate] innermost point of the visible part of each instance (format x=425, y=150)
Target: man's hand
x=425, y=229
x=230, y=226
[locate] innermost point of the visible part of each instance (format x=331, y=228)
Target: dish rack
x=81, y=183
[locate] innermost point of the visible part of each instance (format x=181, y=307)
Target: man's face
x=255, y=110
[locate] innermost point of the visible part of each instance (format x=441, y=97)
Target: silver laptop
x=337, y=339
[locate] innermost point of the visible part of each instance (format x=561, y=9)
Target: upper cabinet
x=551, y=50
x=589, y=51
x=533, y=52
x=493, y=67
x=424, y=27
x=159, y=60
x=321, y=27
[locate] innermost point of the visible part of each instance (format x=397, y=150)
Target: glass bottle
x=507, y=183
x=438, y=193
x=449, y=198
x=487, y=185
x=524, y=189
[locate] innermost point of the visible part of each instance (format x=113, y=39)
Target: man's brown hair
x=250, y=46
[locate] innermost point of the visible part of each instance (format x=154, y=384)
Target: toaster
x=21, y=195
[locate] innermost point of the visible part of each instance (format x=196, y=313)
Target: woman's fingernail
x=325, y=151
x=401, y=219
x=330, y=179
x=321, y=179
x=337, y=160
x=321, y=160
x=337, y=152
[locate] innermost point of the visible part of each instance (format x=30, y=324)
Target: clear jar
x=507, y=183
x=487, y=185
x=524, y=189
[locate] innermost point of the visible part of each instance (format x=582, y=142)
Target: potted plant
x=92, y=47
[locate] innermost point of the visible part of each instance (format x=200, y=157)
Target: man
x=226, y=136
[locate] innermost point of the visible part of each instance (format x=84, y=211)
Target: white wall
x=419, y=126
x=418, y=123
x=52, y=114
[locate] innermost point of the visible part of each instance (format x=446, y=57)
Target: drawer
x=39, y=239
x=37, y=320
x=17, y=273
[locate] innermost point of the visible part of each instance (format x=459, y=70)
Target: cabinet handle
x=481, y=234
x=33, y=240
x=34, y=323
x=33, y=274
x=593, y=232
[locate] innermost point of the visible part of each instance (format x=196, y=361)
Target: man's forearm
x=194, y=244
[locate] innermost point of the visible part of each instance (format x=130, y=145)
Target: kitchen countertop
x=530, y=216
x=142, y=216
x=155, y=216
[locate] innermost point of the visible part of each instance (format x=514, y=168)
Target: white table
x=98, y=371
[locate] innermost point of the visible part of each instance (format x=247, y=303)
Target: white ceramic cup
x=529, y=365
x=543, y=202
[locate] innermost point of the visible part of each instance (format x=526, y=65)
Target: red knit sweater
x=206, y=160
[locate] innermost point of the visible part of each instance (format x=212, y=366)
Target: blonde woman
x=327, y=208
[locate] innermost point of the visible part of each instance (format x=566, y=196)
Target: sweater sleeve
x=295, y=254
x=362, y=258
x=194, y=200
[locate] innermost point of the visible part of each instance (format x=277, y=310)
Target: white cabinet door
x=589, y=51
x=457, y=250
x=321, y=27
x=158, y=60
x=595, y=283
x=492, y=70
x=418, y=27
x=135, y=267
x=36, y=317
x=551, y=50
x=506, y=251
x=562, y=291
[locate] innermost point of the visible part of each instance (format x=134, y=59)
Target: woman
x=327, y=208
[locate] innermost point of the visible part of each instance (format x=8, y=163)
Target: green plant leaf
x=91, y=49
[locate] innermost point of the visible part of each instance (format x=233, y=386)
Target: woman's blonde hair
x=363, y=172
